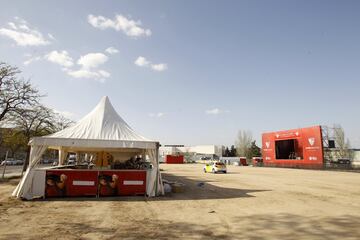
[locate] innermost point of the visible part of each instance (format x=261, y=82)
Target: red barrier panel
x=172, y=159
x=243, y=161
x=78, y=183
x=122, y=183
x=293, y=148
x=70, y=183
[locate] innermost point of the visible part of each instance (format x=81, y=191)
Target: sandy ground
x=246, y=203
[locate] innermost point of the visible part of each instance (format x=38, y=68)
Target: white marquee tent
x=101, y=130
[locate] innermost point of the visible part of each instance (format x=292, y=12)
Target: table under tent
x=117, y=161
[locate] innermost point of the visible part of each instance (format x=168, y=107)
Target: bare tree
x=37, y=121
x=342, y=144
x=15, y=93
x=59, y=122
x=32, y=122
x=243, y=144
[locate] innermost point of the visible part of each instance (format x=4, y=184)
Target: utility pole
x=3, y=174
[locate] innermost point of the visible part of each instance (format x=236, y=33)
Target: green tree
x=255, y=150
x=14, y=141
x=188, y=157
x=232, y=151
x=226, y=152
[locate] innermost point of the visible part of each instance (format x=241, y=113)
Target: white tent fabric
x=155, y=182
x=23, y=189
x=102, y=128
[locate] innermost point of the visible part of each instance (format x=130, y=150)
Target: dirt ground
x=246, y=203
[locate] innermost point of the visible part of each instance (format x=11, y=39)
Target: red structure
x=174, y=159
x=243, y=161
x=301, y=148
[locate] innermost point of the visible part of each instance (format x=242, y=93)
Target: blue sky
x=193, y=72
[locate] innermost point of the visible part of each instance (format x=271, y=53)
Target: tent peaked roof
x=103, y=123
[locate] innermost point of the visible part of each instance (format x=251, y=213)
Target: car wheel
x=224, y=171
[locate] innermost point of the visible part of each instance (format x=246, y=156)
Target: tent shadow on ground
x=206, y=189
x=193, y=190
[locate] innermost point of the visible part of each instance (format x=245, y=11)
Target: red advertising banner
x=78, y=183
x=122, y=183
x=70, y=183
x=293, y=148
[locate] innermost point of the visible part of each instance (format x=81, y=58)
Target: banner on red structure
x=78, y=183
x=122, y=183
x=293, y=148
x=70, y=183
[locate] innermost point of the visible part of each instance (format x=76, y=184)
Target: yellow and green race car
x=215, y=167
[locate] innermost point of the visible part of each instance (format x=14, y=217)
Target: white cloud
x=120, y=23
x=51, y=36
x=157, y=115
x=141, y=62
x=89, y=67
x=159, y=67
x=62, y=58
x=88, y=64
x=23, y=35
x=111, y=50
x=12, y=25
x=31, y=59
x=104, y=74
x=98, y=75
x=216, y=111
x=92, y=60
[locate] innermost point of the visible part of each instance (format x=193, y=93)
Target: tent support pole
x=61, y=156
x=158, y=169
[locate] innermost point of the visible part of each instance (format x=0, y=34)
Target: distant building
x=213, y=151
